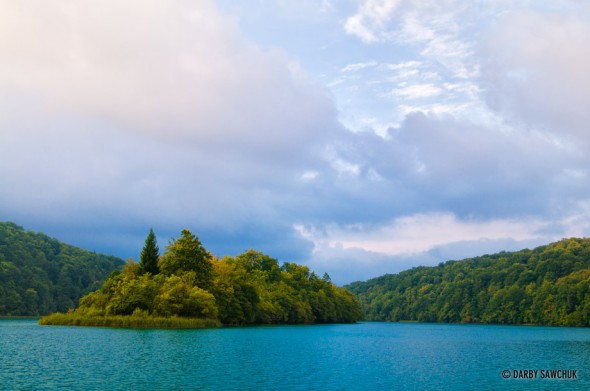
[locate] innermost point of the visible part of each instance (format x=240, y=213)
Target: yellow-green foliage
x=180, y=296
x=129, y=321
x=248, y=289
x=253, y=289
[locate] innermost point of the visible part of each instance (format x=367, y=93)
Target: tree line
x=39, y=274
x=549, y=285
x=188, y=282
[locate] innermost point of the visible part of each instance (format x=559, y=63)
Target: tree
x=179, y=297
x=40, y=275
x=548, y=285
x=187, y=254
x=148, y=261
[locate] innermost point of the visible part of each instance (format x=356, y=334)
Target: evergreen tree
x=148, y=262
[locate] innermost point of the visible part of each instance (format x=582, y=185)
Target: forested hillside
x=187, y=285
x=549, y=285
x=39, y=275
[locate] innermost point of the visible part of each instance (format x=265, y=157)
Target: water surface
x=336, y=357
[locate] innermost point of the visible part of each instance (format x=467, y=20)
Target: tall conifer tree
x=148, y=262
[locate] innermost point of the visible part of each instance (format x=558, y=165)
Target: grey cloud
x=433, y=163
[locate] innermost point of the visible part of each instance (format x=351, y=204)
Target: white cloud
x=433, y=43
x=434, y=109
x=172, y=69
x=421, y=232
x=404, y=65
x=370, y=19
x=417, y=91
x=340, y=165
x=414, y=30
x=358, y=66
x=309, y=175
x=535, y=71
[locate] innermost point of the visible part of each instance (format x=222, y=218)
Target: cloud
x=491, y=149
x=535, y=73
x=417, y=91
x=371, y=17
x=491, y=108
x=432, y=45
x=440, y=161
x=174, y=70
x=358, y=66
x=159, y=113
x=440, y=187
x=422, y=232
x=468, y=132
x=357, y=252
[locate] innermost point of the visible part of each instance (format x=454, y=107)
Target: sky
x=358, y=137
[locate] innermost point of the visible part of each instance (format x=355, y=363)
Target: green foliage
x=187, y=254
x=179, y=296
x=40, y=275
x=150, y=254
x=549, y=285
x=250, y=288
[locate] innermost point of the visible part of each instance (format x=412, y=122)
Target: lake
x=363, y=356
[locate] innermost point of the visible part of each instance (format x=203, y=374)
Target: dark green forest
x=40, y=275
x=549, y=285
x=187, y=282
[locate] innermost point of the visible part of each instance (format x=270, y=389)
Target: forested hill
x=549, y=285
x=40, y=275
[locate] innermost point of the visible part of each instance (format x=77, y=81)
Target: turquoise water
x=364, y=356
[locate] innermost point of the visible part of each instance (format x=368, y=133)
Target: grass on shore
x=16, y=317
x=131, y=321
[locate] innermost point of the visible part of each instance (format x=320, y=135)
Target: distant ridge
x=40, y=275
x=549, y=285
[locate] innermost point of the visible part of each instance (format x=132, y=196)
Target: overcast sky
x=358, y=137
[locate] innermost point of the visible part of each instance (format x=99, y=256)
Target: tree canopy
x=39, y=274
x=549, y=285
x=187, y=254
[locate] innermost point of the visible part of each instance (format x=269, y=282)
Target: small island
x=187, y=287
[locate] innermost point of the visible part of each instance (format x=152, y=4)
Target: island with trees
x=187, y=287
x=549, y=285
